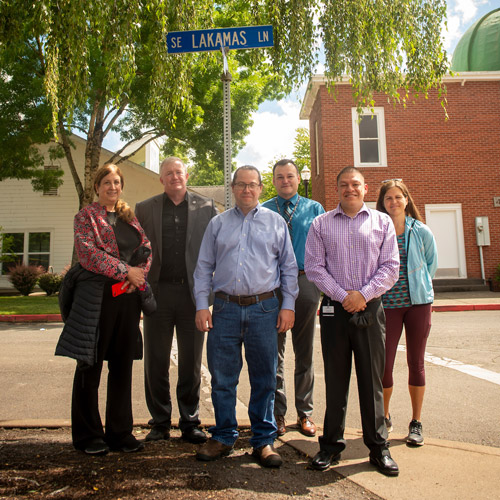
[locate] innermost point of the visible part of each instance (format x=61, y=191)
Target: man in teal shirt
x=298, y=213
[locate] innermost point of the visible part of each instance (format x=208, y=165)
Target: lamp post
x=305, y=175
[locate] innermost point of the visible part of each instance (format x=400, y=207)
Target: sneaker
x=415, y=436
x=388, y=423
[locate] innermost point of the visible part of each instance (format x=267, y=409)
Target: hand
x=354, y=302
x=136, y=276
x=131, y=288
x=286, y=319
x=203, y=320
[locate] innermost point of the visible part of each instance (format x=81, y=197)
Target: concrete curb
x=466, y=307
x=30, y=318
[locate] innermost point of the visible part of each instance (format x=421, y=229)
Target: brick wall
x=454, y=161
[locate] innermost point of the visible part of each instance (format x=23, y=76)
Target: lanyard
x=289, y=222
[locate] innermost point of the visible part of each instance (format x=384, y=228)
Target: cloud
x=272, y=135
x=461, y=15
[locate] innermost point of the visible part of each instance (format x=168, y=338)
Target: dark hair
x=283, y=162
x=122, y=208
x=411, y=209
x=348, y=170
x=246, y=167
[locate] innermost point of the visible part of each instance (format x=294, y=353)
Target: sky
x=275, y=122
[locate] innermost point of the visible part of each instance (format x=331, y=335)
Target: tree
x=301, y=157
x=103, y=65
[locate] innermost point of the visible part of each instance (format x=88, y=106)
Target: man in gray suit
x=174, y=222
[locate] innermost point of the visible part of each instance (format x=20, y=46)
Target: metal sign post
x=222, y=39
x=226, y=87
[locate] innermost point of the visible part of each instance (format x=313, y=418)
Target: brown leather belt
x=245, y=300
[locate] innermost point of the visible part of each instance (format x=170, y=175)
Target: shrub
x=24, y=277
x=497, y=274
x=50, y=282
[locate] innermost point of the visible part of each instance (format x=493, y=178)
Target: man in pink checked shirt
x=352, y=257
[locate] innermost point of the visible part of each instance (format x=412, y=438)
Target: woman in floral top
x=106, y=235
x=409, y=301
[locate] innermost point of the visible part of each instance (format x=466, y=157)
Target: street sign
x=248, y=37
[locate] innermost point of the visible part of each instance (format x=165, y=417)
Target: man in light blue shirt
x=298, y=213
x=246, y=256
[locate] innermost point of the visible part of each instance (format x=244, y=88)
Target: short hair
x=246, y=167
x=172, y=159
x=283, y=162
x=348, y=170
x=411, y=209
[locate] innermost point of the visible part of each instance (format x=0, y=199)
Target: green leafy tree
x=104, y=66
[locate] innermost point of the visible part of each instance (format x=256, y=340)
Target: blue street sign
x=248, y=37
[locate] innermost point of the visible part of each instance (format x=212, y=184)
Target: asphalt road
x=461, y=404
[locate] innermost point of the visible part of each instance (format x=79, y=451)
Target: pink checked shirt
x=352, y=253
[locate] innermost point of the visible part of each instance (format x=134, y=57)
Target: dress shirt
x=304, y=211
x=352, y=253
x=174, y=231
x=246, y=255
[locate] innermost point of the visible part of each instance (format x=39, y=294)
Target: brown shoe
x=267, y=456
x=212, y=450
x=280, y=422
x=306, y=426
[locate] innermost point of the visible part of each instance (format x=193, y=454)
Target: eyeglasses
x=389, y=180
x=240, y=186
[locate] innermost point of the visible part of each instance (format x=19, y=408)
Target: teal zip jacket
x=421, y=250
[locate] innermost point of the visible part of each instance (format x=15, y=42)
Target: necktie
x=287, y=215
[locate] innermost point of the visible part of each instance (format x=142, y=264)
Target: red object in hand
x=117, y=289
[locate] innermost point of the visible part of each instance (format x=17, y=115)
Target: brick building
x=452, y=167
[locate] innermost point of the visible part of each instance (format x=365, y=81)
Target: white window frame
x=382, y=150
x=316, y=145
x=26, y=253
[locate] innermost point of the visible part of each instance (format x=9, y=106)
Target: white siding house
x=42, y=223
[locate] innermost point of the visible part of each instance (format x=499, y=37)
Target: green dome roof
x=479, y=48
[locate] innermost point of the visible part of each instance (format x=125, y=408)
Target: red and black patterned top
x=96, y=246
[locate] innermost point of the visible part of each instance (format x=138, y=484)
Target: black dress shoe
x=158, y=433
x=194, y=435
x=323, y=459
x=129, y=445
x=386, y=465
x=96, y=447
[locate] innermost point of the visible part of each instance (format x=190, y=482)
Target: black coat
x=80, y=300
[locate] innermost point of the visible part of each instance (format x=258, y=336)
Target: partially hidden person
x=352, y=257
x=174, y=221
x=409, y=301
x=99, y=324
x=246, y=257
x=298, y=212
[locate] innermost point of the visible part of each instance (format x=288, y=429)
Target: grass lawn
x=35, y=304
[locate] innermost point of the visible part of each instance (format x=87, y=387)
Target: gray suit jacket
x=149, y=214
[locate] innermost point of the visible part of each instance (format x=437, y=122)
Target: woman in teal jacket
x=409, y=302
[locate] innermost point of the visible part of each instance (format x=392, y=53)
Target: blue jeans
x=255, y=327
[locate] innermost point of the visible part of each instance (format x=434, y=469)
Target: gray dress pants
x=306, y=307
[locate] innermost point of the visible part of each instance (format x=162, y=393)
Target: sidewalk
x=438, y=470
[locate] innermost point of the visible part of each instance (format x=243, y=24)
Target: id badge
x=328, y=310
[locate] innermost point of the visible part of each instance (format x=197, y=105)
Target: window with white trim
x=368, y=133
x=32, y=248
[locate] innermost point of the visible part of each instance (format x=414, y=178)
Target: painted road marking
x=474, y=371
